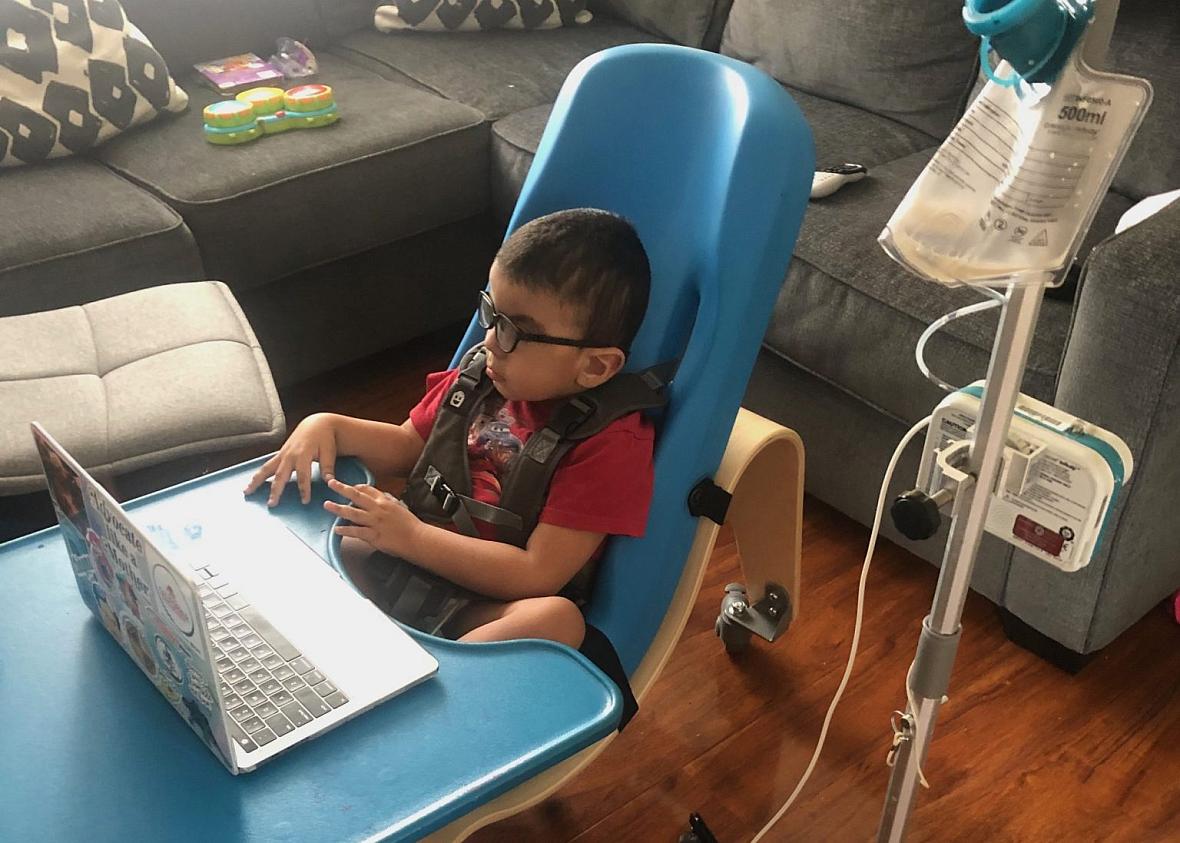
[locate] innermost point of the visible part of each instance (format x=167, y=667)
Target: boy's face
x=536, y=371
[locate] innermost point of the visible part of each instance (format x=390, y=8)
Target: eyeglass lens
x=506, y=331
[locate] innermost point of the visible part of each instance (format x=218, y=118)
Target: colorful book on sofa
x=237, y=73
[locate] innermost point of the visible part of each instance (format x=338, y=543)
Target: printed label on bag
x=1013, y=189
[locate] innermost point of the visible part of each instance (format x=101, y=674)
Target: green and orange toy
x=268, y=111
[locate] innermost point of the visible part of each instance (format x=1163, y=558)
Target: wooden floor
x=1022, y=752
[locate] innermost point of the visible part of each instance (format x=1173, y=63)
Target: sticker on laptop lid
x=169, y=591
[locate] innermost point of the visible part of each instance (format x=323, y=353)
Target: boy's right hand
x=314, y=439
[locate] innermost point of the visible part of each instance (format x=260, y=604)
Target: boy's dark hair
x=587, y=257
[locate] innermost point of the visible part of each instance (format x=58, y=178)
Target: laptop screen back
x=147, y=603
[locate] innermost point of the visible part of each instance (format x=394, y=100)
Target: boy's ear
x=600, y=365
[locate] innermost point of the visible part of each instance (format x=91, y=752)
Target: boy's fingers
x=364, y=533
x=303, y=478
x=263, y=472
x=282, y=477
x=353, y=493
x=353, y=513
x=371, y=492
x=328, y=461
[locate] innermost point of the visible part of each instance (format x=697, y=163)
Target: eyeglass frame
x=485, y=298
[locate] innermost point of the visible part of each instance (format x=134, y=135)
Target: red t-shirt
x=602, y=485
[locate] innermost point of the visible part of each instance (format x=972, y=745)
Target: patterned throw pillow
x=474, y=15
x=74, y=73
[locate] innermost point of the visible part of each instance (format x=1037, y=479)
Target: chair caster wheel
x=736, y=639
x=735, y=604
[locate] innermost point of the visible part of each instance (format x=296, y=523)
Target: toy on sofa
x=268, y=111
x=230, y=122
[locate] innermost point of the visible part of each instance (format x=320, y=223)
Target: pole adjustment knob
x=915, y=514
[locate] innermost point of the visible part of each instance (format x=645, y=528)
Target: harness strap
x=489, y=513
x=461, y=509
x=578, y=418
x=467, y=384
x=565, y=419
x=432, y=498
x=661, y=374
x=416, y=597
x=591, y=412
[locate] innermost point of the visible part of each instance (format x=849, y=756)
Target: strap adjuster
x=443, y=493
x=546, y=440
x=578, y=409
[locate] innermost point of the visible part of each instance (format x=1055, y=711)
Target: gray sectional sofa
x=345, y=241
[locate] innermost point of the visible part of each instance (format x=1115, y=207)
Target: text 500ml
x=1081, y=115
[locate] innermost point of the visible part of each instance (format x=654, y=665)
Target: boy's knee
x=565, y=620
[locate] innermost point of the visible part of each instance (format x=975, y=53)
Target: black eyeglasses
x=508, y=335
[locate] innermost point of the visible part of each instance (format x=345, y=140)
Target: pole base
x=1037, y=642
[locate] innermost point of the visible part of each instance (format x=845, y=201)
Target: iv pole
x=939, y=638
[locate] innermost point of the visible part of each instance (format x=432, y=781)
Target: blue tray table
x=90, y=750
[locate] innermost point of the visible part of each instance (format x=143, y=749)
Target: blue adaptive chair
x=712, y=162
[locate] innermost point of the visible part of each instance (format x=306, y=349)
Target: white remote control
x=827, y=181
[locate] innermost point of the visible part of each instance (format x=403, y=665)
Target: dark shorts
x=392, y=584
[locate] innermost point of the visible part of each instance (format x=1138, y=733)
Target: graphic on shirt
x=491, y=447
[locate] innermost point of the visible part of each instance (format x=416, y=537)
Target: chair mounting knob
x=915, y=514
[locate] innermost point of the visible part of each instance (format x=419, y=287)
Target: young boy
x=566, y=295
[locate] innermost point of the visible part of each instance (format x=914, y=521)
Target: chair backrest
x=712, y=162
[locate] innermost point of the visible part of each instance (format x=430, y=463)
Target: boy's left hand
x=382, y=521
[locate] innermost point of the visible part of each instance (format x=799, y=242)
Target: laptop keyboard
x=267, y=686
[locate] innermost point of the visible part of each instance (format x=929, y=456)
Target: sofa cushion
x=850, y=133
x=134, y=380
x=1146, y=42
x=850, y=315
x=914, y=62
x=497, y=72
x=473, y=16
x=72, y=76
x=399, y=161
x=190, y=31
x=683, y=21
x=396, y=292
x=56, y=250
x=514, y=143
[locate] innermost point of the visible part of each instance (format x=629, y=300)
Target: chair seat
x=133, y=381
x=400, y=161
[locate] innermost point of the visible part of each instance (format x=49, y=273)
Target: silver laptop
x=253, y=639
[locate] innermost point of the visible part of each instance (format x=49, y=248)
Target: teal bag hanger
x=1036, y=37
